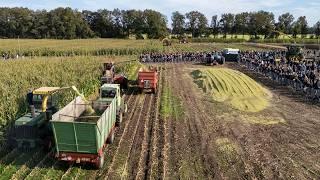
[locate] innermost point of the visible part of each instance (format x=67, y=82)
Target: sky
x=310, y=8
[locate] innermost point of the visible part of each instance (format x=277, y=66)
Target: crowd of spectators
x=179, y=57
x=302, y=75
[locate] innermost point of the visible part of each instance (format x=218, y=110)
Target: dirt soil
x=214, y=141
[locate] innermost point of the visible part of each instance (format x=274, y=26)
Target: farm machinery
x=109, y=76
x=231, y=54
x=33, y=129
x=79, y=131
x=148, y=79
x=214, y=59
x=166, y=42
x=82, y=138
x=294, y=52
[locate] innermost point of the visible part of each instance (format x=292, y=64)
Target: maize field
x=103, y=47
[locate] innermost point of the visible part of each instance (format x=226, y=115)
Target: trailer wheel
x=110, y=138
x=119, y=119
x=100, y=162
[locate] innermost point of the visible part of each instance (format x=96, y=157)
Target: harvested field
x=276, y=142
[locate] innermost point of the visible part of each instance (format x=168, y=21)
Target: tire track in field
x=40, y=168
x=146, y=151
x=166, y=147
x=170, y=151
x=155, y=166
x=137, y=147
x=197, y=166
x=117, y=166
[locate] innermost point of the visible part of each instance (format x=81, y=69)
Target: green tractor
x=294, y=53
x=33, y=129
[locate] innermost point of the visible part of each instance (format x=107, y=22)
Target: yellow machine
x=33, y=128
x=46, y=92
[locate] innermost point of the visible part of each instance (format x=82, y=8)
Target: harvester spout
x=44, y=103
x=89, y=109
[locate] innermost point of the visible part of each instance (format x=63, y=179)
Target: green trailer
x=82, y=138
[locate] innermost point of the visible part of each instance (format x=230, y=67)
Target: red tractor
x=148, y=79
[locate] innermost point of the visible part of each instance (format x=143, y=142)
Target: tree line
x=67, y=23
x=250, y=23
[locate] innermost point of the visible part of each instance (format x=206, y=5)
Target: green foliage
x=130, y=69
x=67, y=23
x=197, y=23
x=79, y=47
x=18, y=76
x=297, y=40
x=178, y=22
x=61, y=23
x=156, y=26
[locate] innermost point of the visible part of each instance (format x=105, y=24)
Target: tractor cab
x=108, y=94
x=110, y=91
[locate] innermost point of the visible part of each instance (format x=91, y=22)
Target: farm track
x=154, y=162
x=121, y=167
x=168, y=138
x=132, y=103
x=174, y=131
x=137, y=149
x=144, y=163
x=193, y=151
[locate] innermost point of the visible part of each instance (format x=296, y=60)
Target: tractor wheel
x=154, y=90
x=100, y=162
x=110, y=139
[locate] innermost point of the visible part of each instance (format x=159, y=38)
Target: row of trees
x=66, y=23
x=253, y=23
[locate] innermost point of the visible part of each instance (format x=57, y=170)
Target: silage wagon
x=148, y=79
x=82, y=138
